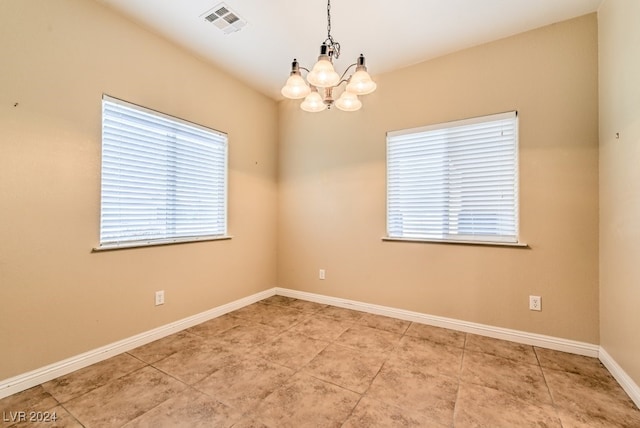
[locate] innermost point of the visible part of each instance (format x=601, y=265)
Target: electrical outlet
x=535, y=303
x=160, y=297
x=321, y=274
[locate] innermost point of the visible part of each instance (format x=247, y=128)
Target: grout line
x=71, y=414
x=455, y=405
x=554, y=405
x=352, y=410
x=544, y=377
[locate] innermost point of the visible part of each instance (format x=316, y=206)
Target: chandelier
x=323, y=79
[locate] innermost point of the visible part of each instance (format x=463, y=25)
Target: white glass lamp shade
x=296, y=87
x=348, y=101
x=361, y=84
x=313, y=103
x=323, y=74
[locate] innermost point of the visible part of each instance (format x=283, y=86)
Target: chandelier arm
x=342, y=79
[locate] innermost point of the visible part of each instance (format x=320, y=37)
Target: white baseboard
x=44, y=374
x=625, y=381
x=27, y=380
x=542, y=341
x=558, y=344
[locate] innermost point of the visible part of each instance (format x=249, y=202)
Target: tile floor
x=284, y=362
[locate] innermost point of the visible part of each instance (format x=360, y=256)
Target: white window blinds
x=456, y=181
x=163, y=179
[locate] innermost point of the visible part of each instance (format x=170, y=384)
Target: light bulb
x=360, y=83
x=348, y=101
x=296, y=87
x=313, y=103
x=323, y=75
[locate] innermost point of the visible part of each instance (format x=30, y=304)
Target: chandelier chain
x=334, y=47
x=329, y=20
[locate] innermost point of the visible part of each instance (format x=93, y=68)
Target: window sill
x=438, y=241
x=142, y=244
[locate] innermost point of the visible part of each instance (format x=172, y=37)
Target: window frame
x=426, y=133
x=219, y=142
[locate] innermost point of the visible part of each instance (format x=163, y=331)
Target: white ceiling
x=391, y=34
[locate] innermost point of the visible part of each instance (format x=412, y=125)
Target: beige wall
x=58, y=299
x=619, y=50
x=332, y=188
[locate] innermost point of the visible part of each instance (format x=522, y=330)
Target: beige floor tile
x=257, y=312
x=191, y=409
x=371, y=414
x=272, y=315
x=249, y=422
x=36, y=398
x=501, y=348
x=345, y=367
x=215, y=326
x=291, y=349
x=341, y=314
x=416, y=390
x=307, y=402
x=124, y=399
x=321, y=327
x=584, y=401
x=195, y=363
x=162, y=348
x=479, y=406
x=241, y=339
x=380, y=322
x=525, y=381
x=440, y=335
x=84, y=380
x=278, y=300
x=301, y=305
x=573, y=363
x=18, y=406
x=245, y=382
x=369, y=339
x=440, y=359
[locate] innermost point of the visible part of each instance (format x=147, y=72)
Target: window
x=456, y=181
x=164, y=180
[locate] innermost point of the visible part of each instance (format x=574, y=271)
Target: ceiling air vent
x=224, y=18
